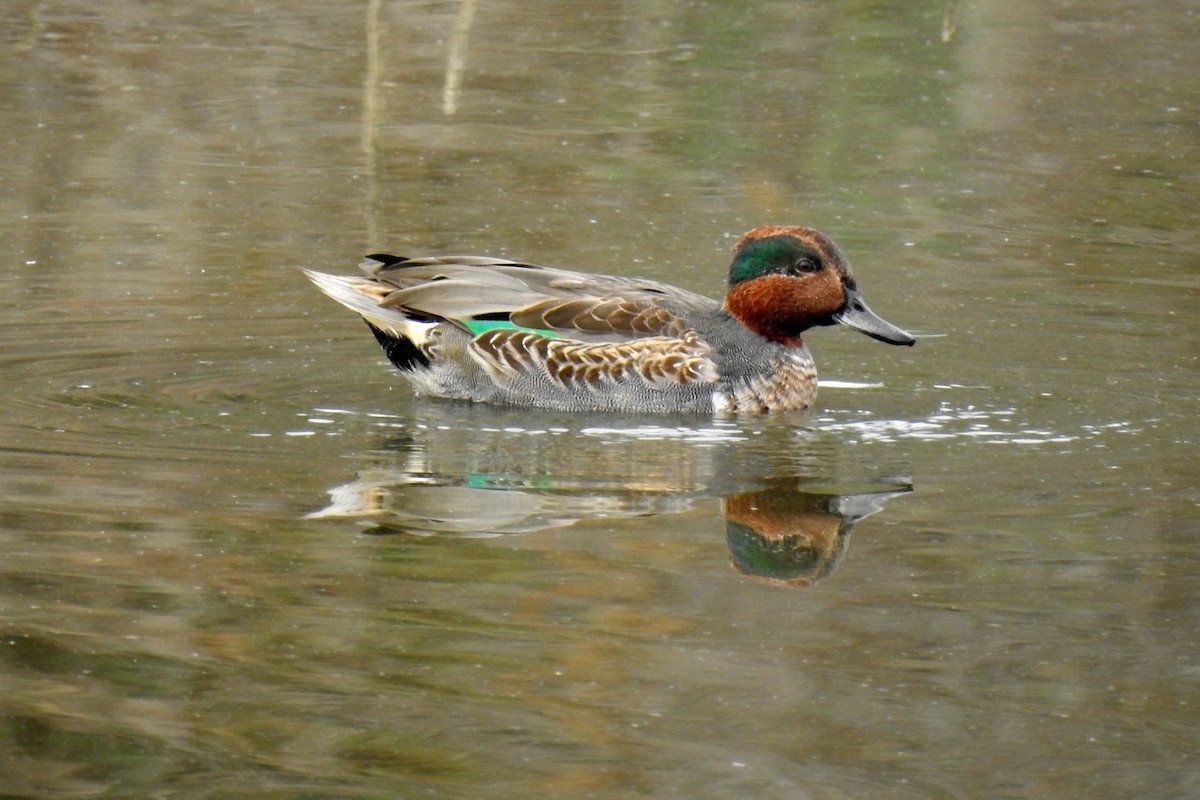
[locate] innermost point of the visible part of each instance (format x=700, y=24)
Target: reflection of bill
x=783, y=535
x=794, y=538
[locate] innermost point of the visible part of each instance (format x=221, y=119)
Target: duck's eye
x=804, y=265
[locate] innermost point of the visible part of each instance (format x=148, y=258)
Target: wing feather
x=656, y=361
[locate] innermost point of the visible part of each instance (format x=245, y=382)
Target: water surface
x=240, y=559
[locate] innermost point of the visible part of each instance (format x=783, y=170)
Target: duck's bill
x=857, y=315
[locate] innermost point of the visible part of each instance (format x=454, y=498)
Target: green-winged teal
x=491, y=330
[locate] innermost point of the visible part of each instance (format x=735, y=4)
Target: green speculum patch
x=478, y=325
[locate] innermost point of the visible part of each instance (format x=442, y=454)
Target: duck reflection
x=793, y=537
x=782, y=530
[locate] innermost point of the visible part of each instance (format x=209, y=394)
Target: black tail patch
x=387, y=260
x=400, y=351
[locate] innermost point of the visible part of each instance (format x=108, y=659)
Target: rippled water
x=240, y=559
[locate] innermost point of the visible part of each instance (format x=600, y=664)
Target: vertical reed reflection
x=456, y=60
x=371, y=84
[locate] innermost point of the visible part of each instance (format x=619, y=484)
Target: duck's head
x=785, y=280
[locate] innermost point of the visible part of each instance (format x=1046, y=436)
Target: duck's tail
x=402, y=338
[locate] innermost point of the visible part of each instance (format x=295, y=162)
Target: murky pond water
x=240, y=559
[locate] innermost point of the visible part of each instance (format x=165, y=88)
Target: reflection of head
x=787, y=537
x=783, y=537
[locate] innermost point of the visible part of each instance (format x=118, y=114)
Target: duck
x=496, y=331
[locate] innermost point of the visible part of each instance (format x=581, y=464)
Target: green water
x=239, y=559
